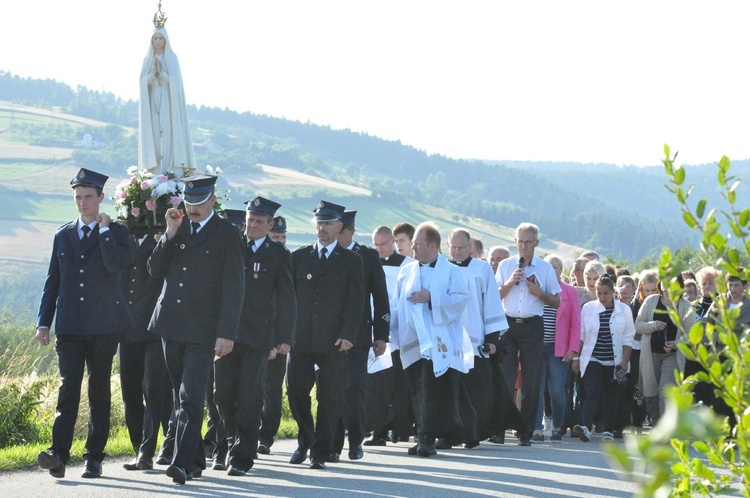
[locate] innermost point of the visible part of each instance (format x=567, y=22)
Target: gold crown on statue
x=160, y=18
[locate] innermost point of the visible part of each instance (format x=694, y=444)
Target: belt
x=523, y=320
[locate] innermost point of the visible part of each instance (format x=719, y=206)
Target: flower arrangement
x=143, y=199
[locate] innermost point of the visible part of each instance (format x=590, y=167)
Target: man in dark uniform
x=83, y=288
x=146, y=392
x=200, y=259
x=375, y=318
x=329, y=281
x=273, y=374
x=266, y=327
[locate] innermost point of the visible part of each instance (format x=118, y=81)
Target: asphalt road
x=567, y=469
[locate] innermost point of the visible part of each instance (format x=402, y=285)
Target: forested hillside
x=624, y=212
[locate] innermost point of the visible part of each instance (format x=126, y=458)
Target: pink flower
x=145, y=185
x=133, y=180
x=163, y=179
x=121, y=195
x=150, y=205
x=136, y=212
x=175, y=201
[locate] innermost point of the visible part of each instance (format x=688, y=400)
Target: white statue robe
x=484, y=313
x=432, y=331
x=164, y=140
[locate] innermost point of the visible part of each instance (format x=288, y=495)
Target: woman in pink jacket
x=562, y=334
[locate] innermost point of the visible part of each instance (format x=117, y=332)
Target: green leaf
x=689, y=220
x=744, y=217
x=701, y=208
x=696, y=334
x=679, y=175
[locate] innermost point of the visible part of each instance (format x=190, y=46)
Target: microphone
x=521, y=261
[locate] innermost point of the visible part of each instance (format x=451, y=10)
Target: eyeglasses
x=384, y=244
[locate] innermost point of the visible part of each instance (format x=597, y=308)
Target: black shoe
x=178, y=474
x=471, y=444
x=333, y=457
x=164, y=460
x=617, y=434
x=264, y=449
x=375, y=441
x=413, y=450
x=497, y=438
x=317, y=464
x=443, y=444
x=524, y=442
x=299, y=455
x=131, y=466
x=92, y=469
x=219, y=464
x=196, y=473
x=50, y=461
x=236, y=471
x=356, y=452
x=426, y=449
x=145, y=463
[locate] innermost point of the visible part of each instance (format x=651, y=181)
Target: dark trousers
x=146, y=393
x=637, y=413
x=95, y=353
x=273, y=380
x=600, y=384
x=238, y=394
x=477, y=401
x=354, y=415
x=318, y=437
x=389, y=402
x=435, y=402
x=524, y=342
x=188, y=366
x=215, y=438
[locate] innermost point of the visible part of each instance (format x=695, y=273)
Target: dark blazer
x=83, y=285
x=376, y=308
x=204, y=283
x=141, y=291
x=269, y=311
x=330, y=294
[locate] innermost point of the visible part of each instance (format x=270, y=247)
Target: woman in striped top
x=607, y=332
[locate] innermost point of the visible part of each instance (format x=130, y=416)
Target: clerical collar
x=462, y=264
x=431, y=264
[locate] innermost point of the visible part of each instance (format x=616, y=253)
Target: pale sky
x=596, y=81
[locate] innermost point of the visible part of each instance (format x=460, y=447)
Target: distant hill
x=624, y=212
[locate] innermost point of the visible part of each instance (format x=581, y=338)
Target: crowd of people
x=415, y=338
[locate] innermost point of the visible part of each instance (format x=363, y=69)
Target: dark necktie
x=195, y=226
x=85, y=229
x=323, y=253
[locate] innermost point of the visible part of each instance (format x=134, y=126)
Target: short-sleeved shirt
x=519, y=302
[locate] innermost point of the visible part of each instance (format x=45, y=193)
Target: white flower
x=218, y=171
x=209, y=169
x=124, y=212
x=132, y=170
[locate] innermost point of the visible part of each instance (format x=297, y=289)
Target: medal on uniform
x=309, y=276
x=256, y=269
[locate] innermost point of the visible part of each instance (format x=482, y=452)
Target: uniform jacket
x=330, y=294
x=269, y=312
x=204, y=283
x=376, y=316
x=82, y=285
x=141, y=291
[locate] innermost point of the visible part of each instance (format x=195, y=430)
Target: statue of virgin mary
x=164, y=142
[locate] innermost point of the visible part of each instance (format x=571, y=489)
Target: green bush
x=665, y=462
x=19, y=407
